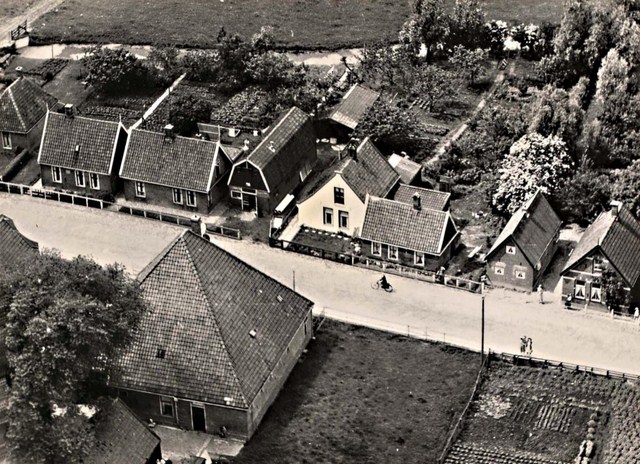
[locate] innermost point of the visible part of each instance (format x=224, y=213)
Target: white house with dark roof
x=23, y=106
x=81, y=154
x=277, y=166
x=179, y=172
x=217, y=343
x=334, y=199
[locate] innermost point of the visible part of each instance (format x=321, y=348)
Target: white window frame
x=376, y=248
x=343, y=215
x=79, y=176
x=56, y=174
x=326, y=210
x=511, y=250
x=177, y=196
x=236, y=194
x=416, y=261
x=519, y=273
x=169, y=401
x=390, y=254
x=192, y=194
x=598, y=299
x=582, y=284
x=141, y=189
x=6, y=140
x=94, y=185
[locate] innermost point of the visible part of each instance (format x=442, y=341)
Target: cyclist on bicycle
x=383, y=282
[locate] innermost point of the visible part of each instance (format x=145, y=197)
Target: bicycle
x=376, y=286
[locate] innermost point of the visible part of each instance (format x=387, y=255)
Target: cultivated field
x=362, y=396
x=317, y=24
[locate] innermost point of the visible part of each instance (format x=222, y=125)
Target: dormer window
x=253, y=333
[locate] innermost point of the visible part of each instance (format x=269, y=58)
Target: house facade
x=611, y=244
x=217, y=344
x=277, y=166
x=23, y=107
x=173, y=171
x=525, y=247
x=411, y=235
x=81, y=154
x=334, y=200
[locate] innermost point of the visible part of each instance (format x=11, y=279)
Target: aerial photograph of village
x=320, y=231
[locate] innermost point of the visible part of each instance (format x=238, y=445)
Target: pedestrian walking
x=540, y=294
x=636, y=314
x=529, y=346
x=523, y=345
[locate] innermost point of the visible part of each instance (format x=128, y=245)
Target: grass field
x=317, y=24
x=362, y=396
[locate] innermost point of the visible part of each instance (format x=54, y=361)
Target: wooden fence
x=97, y=203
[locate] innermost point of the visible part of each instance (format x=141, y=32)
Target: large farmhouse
x=217, y=343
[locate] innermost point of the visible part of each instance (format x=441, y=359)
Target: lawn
x=304, y=24
x=362, y=396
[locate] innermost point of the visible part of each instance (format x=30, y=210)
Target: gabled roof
x=407, y=170
x=204, y=302
x=121, y=438
x=399, y=224
x=95, y=139
x=618, y=237
x=13, y=245
x=432, y=199
x=354, y=106
x=22, y=105
x=183, y=162
x=532, y=227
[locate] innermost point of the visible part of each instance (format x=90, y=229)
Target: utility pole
x=482, y=333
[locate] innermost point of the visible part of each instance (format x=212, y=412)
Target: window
x=418, y=258
x=177, y=196
x=393, y=252
x=94, y=180
x=141, y=190
x=6, y=140
x=498, y=269
x=191, y=198
x=580, y=290
x=519, y=273
x=511, y=250
x=343, y=218
x=56, y=174
x=596, y=293
x=327, y=216
x=338, y=195
x=376, y=249
x=236, y=194
x=166, y=406
x=80, y=178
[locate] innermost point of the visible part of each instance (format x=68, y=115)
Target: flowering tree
x=533, y=162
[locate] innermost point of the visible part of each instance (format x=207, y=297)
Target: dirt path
x=31, y=14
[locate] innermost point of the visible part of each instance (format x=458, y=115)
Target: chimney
x=68, y=110
x=417, y=202
x=352, y=148
x=196, y=225
x=233, y=132
x=169, y=135
x=615, y=208
x=19, y=71
x=76, y=150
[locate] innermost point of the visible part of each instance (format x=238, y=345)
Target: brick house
x=179, y=172
x=81, y=154
x=408, y=233
x=334, y=199
x=217, y=344
x=277, y=166
x=611, y=242
x=526, y=245
x=23, y=107
x=122, y=438
x=343, y=119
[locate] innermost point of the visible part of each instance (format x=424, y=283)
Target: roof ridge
x=15, y=107
x=79, y=116
x=286, y=115
x=177, y=136
x=407, y=205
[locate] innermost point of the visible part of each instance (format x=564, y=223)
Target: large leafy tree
x=111, y=69
x=626, y=187
x=390, y=127
x=428, y=25
x=434, y=84
x=186, y=111
x=66, y=323
x=469, y=62
x=533, y=162
x=467, y=25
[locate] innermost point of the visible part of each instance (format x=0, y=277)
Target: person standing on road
x=636, y=314
x=540, y=294
x=529, y=346
x=523, y=345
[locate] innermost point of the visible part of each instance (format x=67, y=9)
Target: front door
x=197, y=416
x=248, y=201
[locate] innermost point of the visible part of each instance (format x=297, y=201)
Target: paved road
x=427, y=308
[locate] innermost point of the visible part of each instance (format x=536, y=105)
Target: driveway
x=441, y=313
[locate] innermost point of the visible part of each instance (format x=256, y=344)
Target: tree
x=433, y=84
x=428, y=25
x=165, y=61
x=66, y=323
x=626, y=187
x=112, y=68
x=614, y=290
x=186, y=111
x=533, y=162
x=470, y=62
x=467, y=25
x=389, y=69
x=201, y=65
x=263, y=41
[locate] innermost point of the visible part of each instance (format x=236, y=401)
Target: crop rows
x=465, y=453
x=555, y=417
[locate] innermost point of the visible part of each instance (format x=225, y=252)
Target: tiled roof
x=354, y=106
x=407, y=170
x=399, y=224
x=183, y=162
x=121, y=438
x=619, y=239
x=96, y=141
x=432, y=199
x=13, y=245
x=22, y=105
x=204, y=302
x=533, y=227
